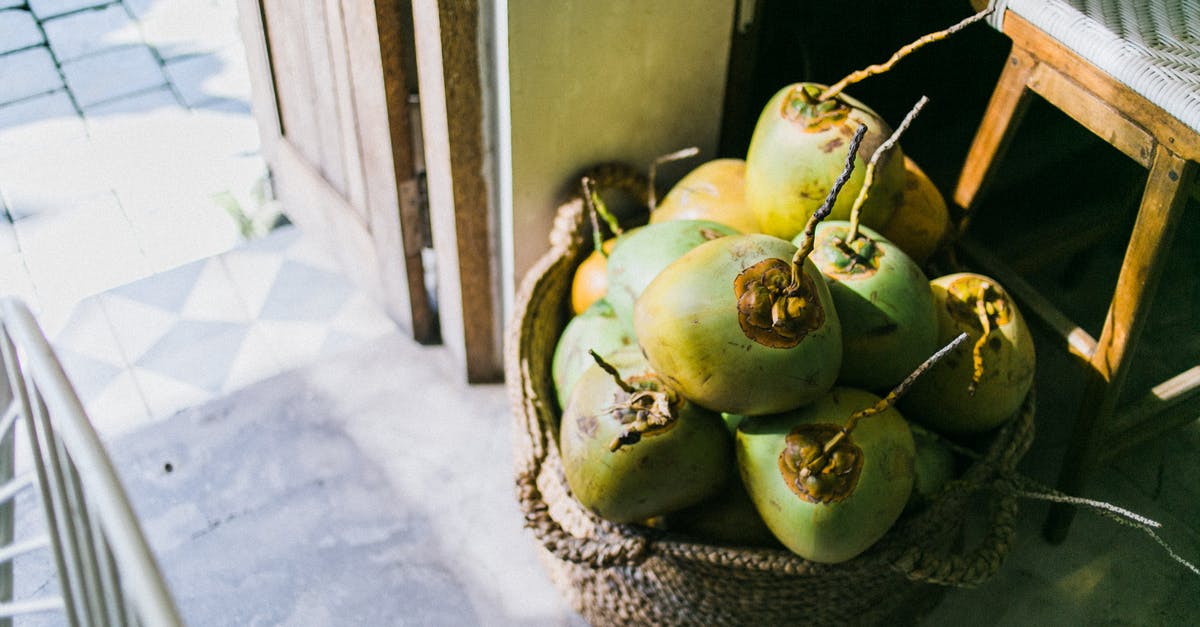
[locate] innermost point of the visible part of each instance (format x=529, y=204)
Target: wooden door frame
x=463, y=209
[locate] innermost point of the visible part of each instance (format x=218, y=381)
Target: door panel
x=330, y=95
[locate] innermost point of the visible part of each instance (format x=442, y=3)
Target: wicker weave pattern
x=623, y=574
x=1152, y=46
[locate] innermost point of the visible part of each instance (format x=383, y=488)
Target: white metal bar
x=7, y=506
x=82, y=525
x=17, y=549
x=31, y=606
x=14, y=486
x=54, y=488
x=144, y=584
x=16, y=379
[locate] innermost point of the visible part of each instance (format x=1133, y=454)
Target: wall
x=594, y=81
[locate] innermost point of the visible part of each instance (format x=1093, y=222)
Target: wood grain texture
x=1003, y=115
x=1162, y=125
x=472, y=219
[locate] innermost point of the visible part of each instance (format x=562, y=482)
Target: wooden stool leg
x=1004, y=112
x=1163, y=202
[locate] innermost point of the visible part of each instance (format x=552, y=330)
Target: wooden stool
x=1139, y=89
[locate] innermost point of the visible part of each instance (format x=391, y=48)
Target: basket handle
x=995, y=472
x=973, y=568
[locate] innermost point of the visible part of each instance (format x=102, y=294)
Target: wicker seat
x=1129, y=71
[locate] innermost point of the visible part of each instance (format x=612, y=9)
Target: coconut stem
x=595, y=203
x=810, y=229
x=607, y=367
x=873, y=70
x=667, y=158
x=886, y=402
x=597, y=237
x=869, y=179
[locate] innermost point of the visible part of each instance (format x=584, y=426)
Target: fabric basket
x=627, y=574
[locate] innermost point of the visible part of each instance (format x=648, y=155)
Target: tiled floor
x=125, y=140
x=143, y=351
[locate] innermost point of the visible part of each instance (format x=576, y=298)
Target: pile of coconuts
x=766, y=362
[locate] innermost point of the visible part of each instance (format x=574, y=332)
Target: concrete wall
x=590, y=81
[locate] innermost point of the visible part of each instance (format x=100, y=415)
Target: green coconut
x=884, y=302
x=715, y=190
x=634, y=449
x=596, y=329
x=736, y=327
x=984, y=381
x=640, y=254
x=797, y=150
x=828, y=505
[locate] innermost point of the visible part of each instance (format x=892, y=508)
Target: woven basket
x=626, y=574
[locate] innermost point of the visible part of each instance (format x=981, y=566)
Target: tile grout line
x=158, y=58
x=58, y=65
x=251, y=320
x=125, y=361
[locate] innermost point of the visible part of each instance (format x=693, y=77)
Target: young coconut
x=715, y=190
x=921, y=222
x=596, y=329
x=933, y=467
x=728, y=518
x=590, y=282
x=796, y=153
x=634, y=449
x=793, y=154
x=642, y=253
x=882, y=297
x=735, y=328
x=831, y=478
x=979, y=387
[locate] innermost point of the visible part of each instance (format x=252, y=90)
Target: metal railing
x=106, y=572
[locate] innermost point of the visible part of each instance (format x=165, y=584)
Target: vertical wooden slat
x=375, y=37
x=319, y=59
x=287, y=43
x=252, y=26
x=460, y=205
x=1007, y=106
x=343, y=88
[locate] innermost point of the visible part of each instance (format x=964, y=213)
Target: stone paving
x=126, y=142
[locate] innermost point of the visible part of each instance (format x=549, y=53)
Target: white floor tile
x=165, y=395
x=27, y=73
x=20, y=30
x=81, y=252
x=78, y=34
x=111, y=74
x=253, y=274
x=214, y=296
x=212, y=76
x=149, y=101
x=120, y=408
x=184, y=234
x=135, y=325
x=49, y=8
x=255, y=362
x=293, y=344
x=51, y=178
x=89, y=333
x=186, y=27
